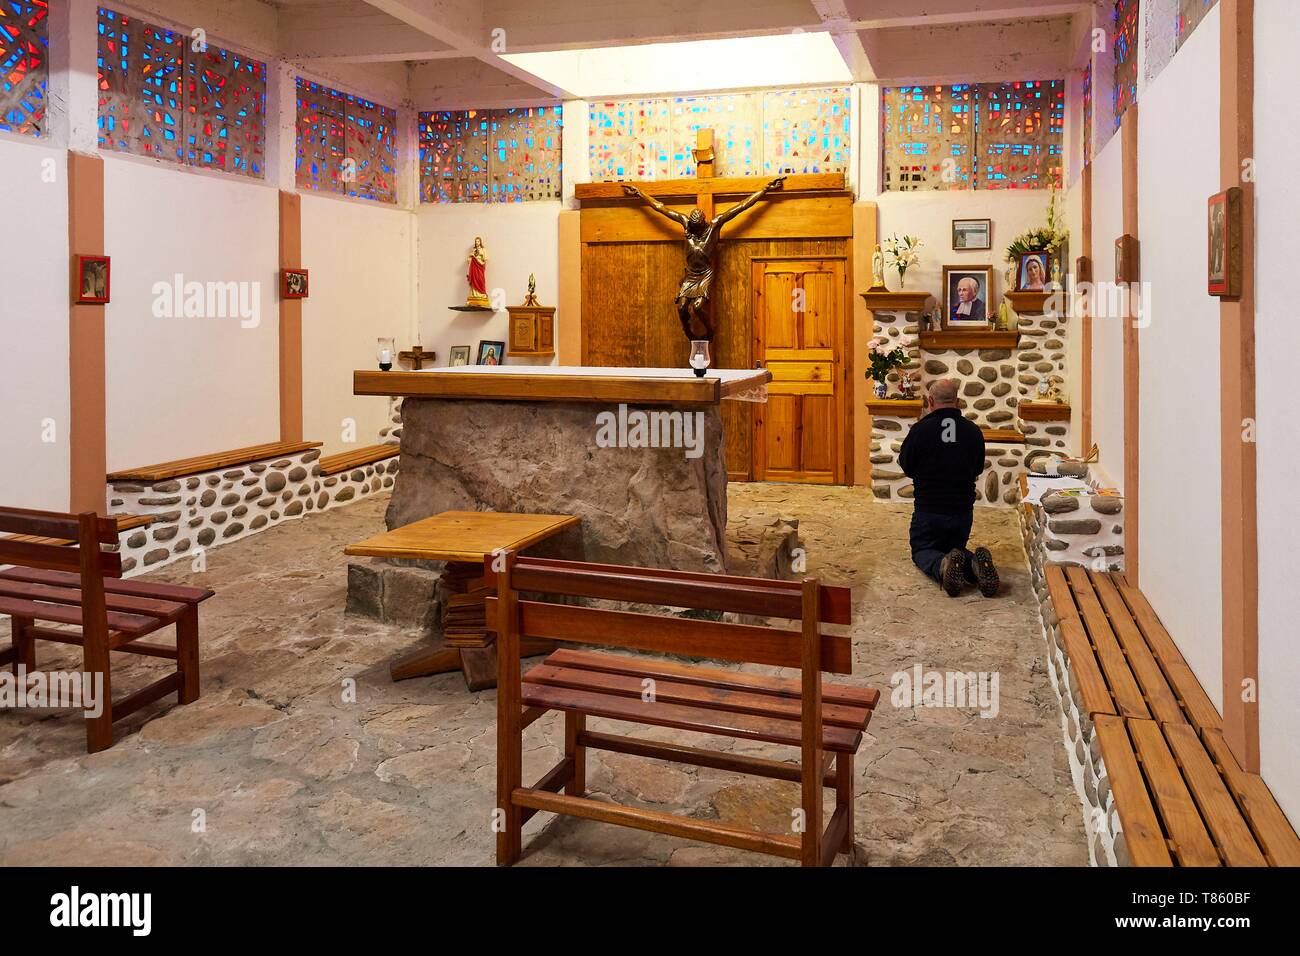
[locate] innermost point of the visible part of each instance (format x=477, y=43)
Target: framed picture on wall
x=293, y=283
x=1126, y=259
x=1223, y=228
x=90, y=280
x=459, y=356
x=966, y=291
x=972, y=234
x=491, y=353
x=1033, y=271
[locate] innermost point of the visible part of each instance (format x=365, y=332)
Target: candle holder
x=384, y=352
x=700, y=357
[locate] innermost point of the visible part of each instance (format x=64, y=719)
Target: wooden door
x=799, y=322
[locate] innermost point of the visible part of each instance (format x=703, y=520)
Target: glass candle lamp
x=385, y=352
x=700, y=357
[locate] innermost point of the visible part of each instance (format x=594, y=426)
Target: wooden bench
x=214, y=462
x=1182, y=797
x=78, y=587
x=357, y=458
x=825, y=721
x=124, y=523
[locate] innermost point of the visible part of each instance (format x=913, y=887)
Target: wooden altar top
x=564, y=383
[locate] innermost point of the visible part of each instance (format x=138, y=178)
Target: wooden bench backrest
x=87, y=530
x=808, y=601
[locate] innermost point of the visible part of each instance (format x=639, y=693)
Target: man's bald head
x=943, y=392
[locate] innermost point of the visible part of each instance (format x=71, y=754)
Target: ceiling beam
x=460, y=24
x=972, y=52
x=834, y=15
x=353, y=34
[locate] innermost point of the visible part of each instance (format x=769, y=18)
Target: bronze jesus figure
x=701, y=247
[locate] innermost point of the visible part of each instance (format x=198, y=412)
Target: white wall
x=179, y=386
x=34, y=326
x=361, y=261
x=1107, y=330
x=520, y=238
x=1277, y=343
x=1073, y=207
x=929, y=215
x=1180, y=393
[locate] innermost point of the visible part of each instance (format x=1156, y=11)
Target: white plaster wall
x=1073, y=207
x=361, y=261
x=519, y=237
x=929, y=215
x=1107, y=331
x=34, y=326
x=1180, y=394
x=1277, y=24
x=179, y=387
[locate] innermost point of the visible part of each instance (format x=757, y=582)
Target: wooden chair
x=824, y=720
x=78, y=585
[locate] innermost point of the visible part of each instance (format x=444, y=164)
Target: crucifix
x=703, y=230
x=417, y=356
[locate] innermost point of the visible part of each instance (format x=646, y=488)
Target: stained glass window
x=1190, y=14
x=1087, y=113
x=164, y=95
x=346, y=144
x=929, y=136
x=502, y=155
x=800, y=131
x=1019, y=134
x=24, y=65
x=986, y=136
x=1124, y=40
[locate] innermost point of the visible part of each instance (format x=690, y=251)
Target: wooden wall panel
x=629, y=319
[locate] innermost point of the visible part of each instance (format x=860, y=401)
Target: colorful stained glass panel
x=929, y=137
x=24, y=65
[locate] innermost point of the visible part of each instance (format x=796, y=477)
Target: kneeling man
x=943, y=454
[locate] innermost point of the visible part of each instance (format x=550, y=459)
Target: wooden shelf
x=895, y=301
x=895, y=407
x=1044, y=411
x=1003, y=436
x=962, y=340
x=1028, y=303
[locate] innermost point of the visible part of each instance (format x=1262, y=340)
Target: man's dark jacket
x=943, y=472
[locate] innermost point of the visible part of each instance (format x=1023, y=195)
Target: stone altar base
x=652, y=507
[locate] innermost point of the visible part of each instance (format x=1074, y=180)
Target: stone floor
x=302, y=751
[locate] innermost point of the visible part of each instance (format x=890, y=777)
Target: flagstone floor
x=278, y=764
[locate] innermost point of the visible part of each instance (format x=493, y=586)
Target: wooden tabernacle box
x=532, y=328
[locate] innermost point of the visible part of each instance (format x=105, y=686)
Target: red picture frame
x=1223, y=243
x=91, y=285
x=294, y=284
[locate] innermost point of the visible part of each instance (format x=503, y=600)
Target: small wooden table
x=463, y=539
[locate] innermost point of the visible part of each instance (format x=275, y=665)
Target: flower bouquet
x=883, y=360
x=902, y=254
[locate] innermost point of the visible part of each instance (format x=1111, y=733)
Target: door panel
x=798, y=435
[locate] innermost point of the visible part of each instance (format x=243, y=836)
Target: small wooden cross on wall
x=417, y=356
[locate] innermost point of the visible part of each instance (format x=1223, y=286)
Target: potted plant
x=883, y=360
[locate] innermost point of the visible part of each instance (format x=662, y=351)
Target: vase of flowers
x=1050, y=237
x=883, y=360
x=902, y=254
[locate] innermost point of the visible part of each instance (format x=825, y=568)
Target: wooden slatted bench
x=214, y=462
x=357, y=458
x=124, y=523
x=825, y=720
x=78, y=587
x=1181, y=796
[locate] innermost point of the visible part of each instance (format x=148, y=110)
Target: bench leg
x=99, y=730
x=844, y=796
x=574, y=724
x=24, y=645
x=187, y=655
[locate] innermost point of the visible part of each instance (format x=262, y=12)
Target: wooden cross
x=417, y=356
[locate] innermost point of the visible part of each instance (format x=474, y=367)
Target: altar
x=637, y=454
